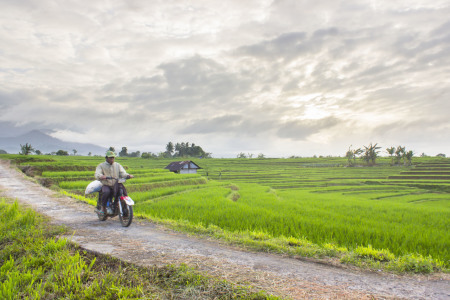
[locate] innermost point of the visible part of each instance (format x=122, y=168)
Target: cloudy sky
x=281, y=78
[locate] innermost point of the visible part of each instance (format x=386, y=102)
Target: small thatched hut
x=183, y=167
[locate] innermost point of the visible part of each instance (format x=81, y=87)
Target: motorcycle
x=116, y=205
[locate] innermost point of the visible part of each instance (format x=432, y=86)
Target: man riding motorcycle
x=110, y=169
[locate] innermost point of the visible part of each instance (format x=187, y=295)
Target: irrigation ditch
x=148, y=244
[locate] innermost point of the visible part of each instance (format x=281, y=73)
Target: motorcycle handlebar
x=109, y=177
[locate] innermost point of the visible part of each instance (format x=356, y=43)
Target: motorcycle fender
x=127, y=200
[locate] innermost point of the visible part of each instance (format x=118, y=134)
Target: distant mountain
x=47, y=144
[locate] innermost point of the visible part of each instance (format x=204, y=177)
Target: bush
x=379, y=255
x=62, y=153
x=415, y=263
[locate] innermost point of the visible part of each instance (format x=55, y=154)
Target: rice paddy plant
x=164, y=177
x=71, y=185
x=309, y=199
x=137, y=180
x=158, y=193
x=66, y=174
x=350, y=220
x=38, y=265
x=162, y=184
x=147, y=172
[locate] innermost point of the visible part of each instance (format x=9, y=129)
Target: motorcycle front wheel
x=127, y=214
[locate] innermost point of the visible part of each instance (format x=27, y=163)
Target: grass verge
x=37, y=264
x=362, y=257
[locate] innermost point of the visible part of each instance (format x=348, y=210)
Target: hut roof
x=178, y=165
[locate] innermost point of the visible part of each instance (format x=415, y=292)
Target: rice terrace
x=387, y=217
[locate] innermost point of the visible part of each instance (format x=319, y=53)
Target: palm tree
x=349, y=155
x=177, y=149
x=391, y=153
x=409, y=155
x=169, y=148
x=352, y=154
x=356, y=153
x=123, y=152
x=26, y=149
x=241, y=155
x=399, y=153
x=371, y=154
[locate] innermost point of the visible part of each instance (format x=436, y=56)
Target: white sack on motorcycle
x=93, y=187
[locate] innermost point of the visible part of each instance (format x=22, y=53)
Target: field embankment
x=380, y=217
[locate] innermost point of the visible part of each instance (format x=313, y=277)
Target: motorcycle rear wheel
x=127, y=214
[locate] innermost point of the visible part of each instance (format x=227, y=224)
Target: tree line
x=28, y=149
x=371, y=152
x=184, y=149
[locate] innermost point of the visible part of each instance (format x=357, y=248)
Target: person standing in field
x=110, y=168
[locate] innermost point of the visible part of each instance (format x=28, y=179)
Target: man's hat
x=109, y=153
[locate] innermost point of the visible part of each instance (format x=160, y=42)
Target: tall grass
x=305, y=199
x=36, y=264
x=148, y=179
x=400, y=226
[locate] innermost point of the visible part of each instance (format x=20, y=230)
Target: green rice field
x=401, y=210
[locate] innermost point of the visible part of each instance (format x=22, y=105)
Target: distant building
x=183, y=167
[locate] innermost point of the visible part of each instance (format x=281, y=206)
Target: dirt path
x=147, y=244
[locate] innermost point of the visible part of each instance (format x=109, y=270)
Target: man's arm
x=123, y=173
x=99, y=173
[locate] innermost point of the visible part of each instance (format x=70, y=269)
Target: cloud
x=250, y=74
x=222, y=124
x=192, y=86
x=421, y=130
x=201, y=79
x=236, y=125
x=284, y=46
x=302, y=129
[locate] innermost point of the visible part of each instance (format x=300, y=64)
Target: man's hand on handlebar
x=104, y=177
